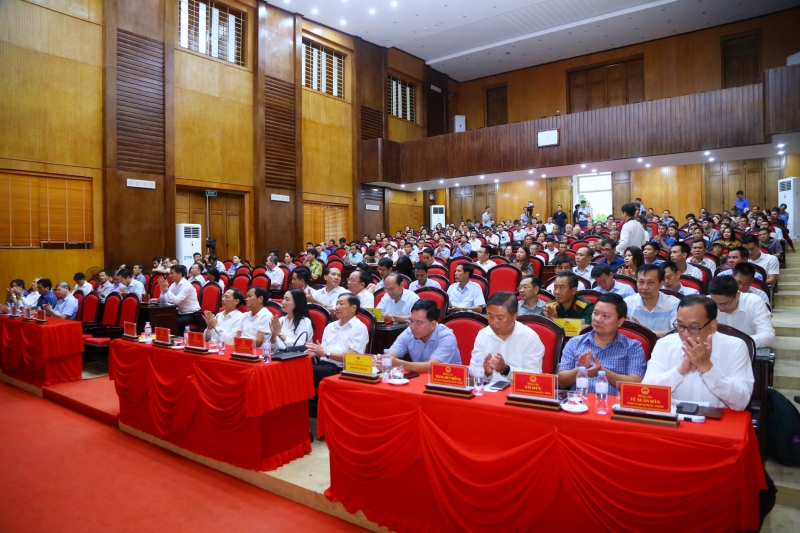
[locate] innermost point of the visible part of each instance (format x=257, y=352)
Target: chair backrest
x=91, y=304
x=676, y=294
x=689, y=281
x=241, y=282
x=503, y=278
x=439, y=269
x=379, y=294
x=590, y=295
x=287, y=277
x=320, y=317
x=260, y=281
x=129, y=310
x=722, y=268
x=93, y=283
x=577, y=245
x=155, y=287
x=79, y=296
x=552, y=336
x=243, y=270
x=545, y=296
x=538, y=266
x=335, y=262
x=627, y=280
x=712, y=257
x=227, y=264
x=465, y=325
x=225, y=278
x=646, y=337
x=441, y=280
x=437, y=295
x=341, y=252
x=453, y=264
x=405, y=280
x=733, y=332
x=368, y=319
x=707, y=273
x=274, y=308
x=197, y=286
x=258, y=270
x=147, y=281
x=210, y=297
x=111, y=309
x=483, y=283
x=500, y=260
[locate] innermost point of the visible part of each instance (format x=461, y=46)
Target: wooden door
x=616, y=85
x=634, y=72
x=754, y=183
x=740, y=60
x=578, y=92
x=497, y=106
x=226, y=217
x=733, y=180
x=597, y=88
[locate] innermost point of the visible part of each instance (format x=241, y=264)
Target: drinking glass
x=574, y=400
x=398, y=372
x=478, y=376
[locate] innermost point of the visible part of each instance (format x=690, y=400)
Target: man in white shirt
x=421, y=273
x=549, y=225
x=327, y=295
x=484, y=253
x=582, y=267
x=465, y=295
x=196, y=274
x=519, y=232
x=698, y=256
x=672, y=280
x=507, y=346
x=128, y=285
x=182, y=294
x=632, y=233
x=605, y=282
x=745, y=312
x=699, y=364
x=104, y=286
x=347, y=335
x=744, y=274
x=768, y=262
x=391, y=253
x=736, y=256
x=550, y=250
x=650, y=307
x=410, y=252
x=678, y=253
x=81, y=284
x=396, y=303
x=274, y=272
x=228, y=322
x=474, y=241
x=255, y=323
x=490, y=237
x=357, y=284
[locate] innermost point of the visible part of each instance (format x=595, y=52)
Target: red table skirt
x=253, y=416
x=41, y=354
x=418, y=462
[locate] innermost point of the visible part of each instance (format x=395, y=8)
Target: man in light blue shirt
x=463, y=248
x=650, y=307
x=129, y=285
x=354, y=256
x=606, y=283
x=425, y=341
x=67, y=305
x=465, y=295
x=398, y=301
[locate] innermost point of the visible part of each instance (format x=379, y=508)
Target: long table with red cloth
x=420, y=462
x=41, y=354
x=253, y=416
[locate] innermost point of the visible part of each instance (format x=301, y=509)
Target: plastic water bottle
x=386, y=367
x=186, y=336
x=147, y=332
x=582, y=383
x=478, y=375
x=601, y=393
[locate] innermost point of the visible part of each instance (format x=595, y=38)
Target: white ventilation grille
x=191, y=232
x=784, y=185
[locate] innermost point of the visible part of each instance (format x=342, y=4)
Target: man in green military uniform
x=568, y=304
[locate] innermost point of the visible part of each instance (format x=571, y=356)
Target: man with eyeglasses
x=745, y=312
x=396, y=304
x=610, y=257
x=650, y=307
x=699, y=364
x=484, y=253
x=425, y=341
x=530, y=304
x=744, y=274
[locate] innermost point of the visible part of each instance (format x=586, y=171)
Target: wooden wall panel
x=677, y=188
x=371, y=68
x=402, y=130
x=435, y=102
x=758, y=178
x=327, y=145
x=410, y=69
x=781, y=114
x=620, y=191
x=514, y=195
x=370, y=221
x=791, y=166
x=405, y=209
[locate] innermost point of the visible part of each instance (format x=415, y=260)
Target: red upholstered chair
x=259, y=270
x=243, y=270
x=405, y=279
x=147, y=278
x=274, y=308
x=335, y=263
x=590, y=295
x=483, y=282
x=707, y=273
x=646, y=337
x=79, y=296
x=287, y=277
x=441, y=280
x=676, y=294
x=155, y=287
x=592, y=238
x=437, y=295
x=465, y=325
x=320, y=317
x=225, y=279
x=503, y=278
x=110, y=314
x=451, y=267
x=241, y=282
x=341, y=252
x=260, y=281
x=368, y=319
x=379, y=294
x=694, y=283
x=210, y=298
x=538, y=266
x=479, y=270
x=102, y=337
x=439, y=269
x=93, y=283
x=500, y=260
x=713, y=257
x=227, y=264
x=627, y=280
x=545, y=296
x=197, y=287
x=551, y=335
x=91, y=304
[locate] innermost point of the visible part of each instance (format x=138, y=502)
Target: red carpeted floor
x=95, y=398
x=61, y=471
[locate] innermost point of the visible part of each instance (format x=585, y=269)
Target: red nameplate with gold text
x=450, y=375
x=196, y=340
x=645, y=397
x=130, y=329
x=162, y=335
x=244, y=346
x=538, y=385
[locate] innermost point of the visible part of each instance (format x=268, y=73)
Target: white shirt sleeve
x=762, y=322
x=735, y=392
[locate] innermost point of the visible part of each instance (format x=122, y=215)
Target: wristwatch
x=506, y=371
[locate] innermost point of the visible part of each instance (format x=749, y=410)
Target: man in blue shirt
x=603, y=348
x=46, y=296
x=605, y=282
x=67, y=305
x=610, y=257
x=741, y=202
x=425, y=341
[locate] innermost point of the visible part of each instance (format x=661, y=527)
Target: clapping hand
x=211, y=321
x=551, y=311
x=275, y=326
x=585, y=359
x=698, y=353
x=163, y=284
x=498, y=363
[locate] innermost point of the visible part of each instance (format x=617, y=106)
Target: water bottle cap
x=581, y=369
x=601, y=372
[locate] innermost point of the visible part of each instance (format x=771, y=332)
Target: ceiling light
x=639, y=160
x=371, y=11
x=647, y=165
x=781, y=152
x=441, y=181
x=781, y=145
x=583, y=166
x=710, y=158
x=530, y=183
x=402, y=186
x=394, y=4
x=315, y=11
x=496, y=181
x=594, y=170
x=374, y=189
x=419, y=188
x=342, y=22
x=530, y=172
x=285, y=1
x=483, y=177
x=706, y=153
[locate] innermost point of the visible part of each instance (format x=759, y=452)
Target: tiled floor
x=95, y=369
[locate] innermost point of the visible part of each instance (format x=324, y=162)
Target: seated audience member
x=568, y=304
x=255, y=323
x=633, y=259
x=632, y=233
x=295, y=327
x=738, y=255
x=29, y=298
x=765, y=238
x=744, y=273
x=551, y=251
x=322, y=255
x=397, y=302
x=672, y=280
x=182, y=294
x=81, y=284
x=391, y=253
x=678, y=254
x=274, y=272
x=346, y=335
x=561, y=264
x=385, y=267
x=301, y=277
x=289, y=258
x=228, y=322
x=67, y=305
x=442, y=251
x=650, y=307
x=746, y=312
x=138, y=274
x=610, y=257
x=158, y=266
x=699, y=364
x=506, y=345
x=484, y=253
x=603, y=348
x=213, y=261
x=15, y=291
x=605, y=282
x=313, y=264
x=698, y=257
x=196, y=274
x=768, y=262
x=214, y=277
x=128, y=285
x=462, y=247
x=474, y=241
x=650, y=254
x=422, y=280
x=46, y=297
x=357, y=283
x=104, y=284
x=529, y=303
x=327, y=295
x=465, y=295
x=410, y=252
x=522, y=260
x=425, y=341
x=582, y=267
x=700, y=237
x=708, y=229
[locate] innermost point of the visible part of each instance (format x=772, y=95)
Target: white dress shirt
x=729, y=383
x=474, y=244
x=251, y=324
x=487, y=266
x=660, y=318
x=706, y=262
x=758, y=292
x=349, y=338
x=428, y=283
x=229, y=324
x=135, y=287
x=367, y=299
x=275, y=276
x=585, y=274
x=493, y=239
x=632, y=234
x=769, y=263
x=523, y=351
x=183, y=295
x=104, y=289
x=86, y=288
x=326, y=297
x=752, y=318
x=32, y=299
x=470, y=296
x=304, y=331
x=198, y=278
x=402, y=307
x=693, y=271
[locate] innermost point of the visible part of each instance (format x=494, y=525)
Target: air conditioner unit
x=188, y=241
x=437, y=215
x=789, y=194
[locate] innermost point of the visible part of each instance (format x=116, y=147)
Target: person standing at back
x=560, y=218
x=741, y=202
x=632, y=233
